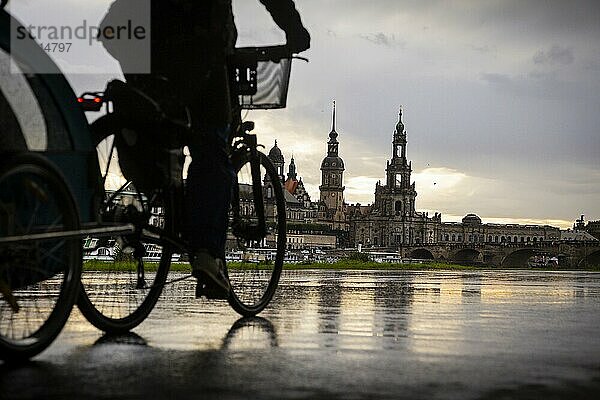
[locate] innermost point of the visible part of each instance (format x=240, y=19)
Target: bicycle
x=118, y=295
x=41, y=213
x=51, y=189
x=39, y=273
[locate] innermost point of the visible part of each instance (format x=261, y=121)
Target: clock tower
x=332, y=174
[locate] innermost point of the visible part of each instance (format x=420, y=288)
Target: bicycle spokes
x=7, y=293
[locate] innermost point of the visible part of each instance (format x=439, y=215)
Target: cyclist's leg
x=209, y=182
x=210, y=178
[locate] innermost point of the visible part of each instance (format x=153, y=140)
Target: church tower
x=278, y=161
x=332, y=174
x=398, y=195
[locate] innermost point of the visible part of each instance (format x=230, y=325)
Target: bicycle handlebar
x=264, y=53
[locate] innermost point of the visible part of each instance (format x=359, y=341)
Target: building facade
x=392, y=221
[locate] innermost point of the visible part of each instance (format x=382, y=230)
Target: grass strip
x=94, y=265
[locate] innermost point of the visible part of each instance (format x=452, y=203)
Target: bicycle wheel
x=255, y=270
x=123, y=276
x=39, y=279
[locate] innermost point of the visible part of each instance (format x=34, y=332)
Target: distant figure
x=190, y=42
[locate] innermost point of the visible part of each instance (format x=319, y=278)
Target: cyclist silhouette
x=190, y=43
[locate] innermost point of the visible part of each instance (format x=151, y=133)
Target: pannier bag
x=148, y=141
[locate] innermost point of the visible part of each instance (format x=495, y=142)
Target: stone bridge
x=569, y=254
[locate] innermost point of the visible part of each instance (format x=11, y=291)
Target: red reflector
x=97, y=99
x=79, y=100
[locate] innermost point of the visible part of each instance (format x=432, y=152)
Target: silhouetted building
x=333, y=210
x=392, y=220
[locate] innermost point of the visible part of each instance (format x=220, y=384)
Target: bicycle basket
x=260, y=77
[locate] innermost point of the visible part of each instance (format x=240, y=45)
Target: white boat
x=100, y=254
x=109, y=251
x=154, y=253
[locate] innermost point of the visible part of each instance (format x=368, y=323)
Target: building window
x=448, y=237
x=496, y=239
x=508, y=239
x=398, y=207
x=453, y=238
x=490, y=238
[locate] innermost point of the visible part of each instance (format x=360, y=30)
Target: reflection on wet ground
x=344, y=334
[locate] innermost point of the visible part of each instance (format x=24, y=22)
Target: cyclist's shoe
x=207, y=288
x=210, y=272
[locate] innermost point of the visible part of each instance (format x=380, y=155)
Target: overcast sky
x=501, y=100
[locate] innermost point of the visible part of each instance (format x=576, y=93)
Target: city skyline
x=499, y=102
x=500, y=98
x=446, y=218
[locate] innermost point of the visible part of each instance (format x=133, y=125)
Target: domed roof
x=332, y=163
x=471, y=219
x=275, y=154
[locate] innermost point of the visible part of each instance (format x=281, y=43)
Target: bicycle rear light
x=91, y=101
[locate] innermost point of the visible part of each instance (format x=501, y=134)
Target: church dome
x=471, y=219
x=275, y=154
x=332, y=163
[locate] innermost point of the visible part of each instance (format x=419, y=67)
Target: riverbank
x=338, y=265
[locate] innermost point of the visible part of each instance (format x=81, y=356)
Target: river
x=344, y=334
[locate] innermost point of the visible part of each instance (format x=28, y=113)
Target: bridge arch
x=592, y=259
x=489, y=258
x=422, y=254
x=466, y=255
x=518, y=258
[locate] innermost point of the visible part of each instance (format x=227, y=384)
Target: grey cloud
x=382, y=39
x=540, y=85
x=496, y=78
x=556, y=55
x=482, y=48
x=542, y=15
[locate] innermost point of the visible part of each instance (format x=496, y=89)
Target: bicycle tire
x=41, y=275
x=253, y=285
x=112, y=297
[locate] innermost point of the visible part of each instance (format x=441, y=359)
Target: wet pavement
x=343, y=335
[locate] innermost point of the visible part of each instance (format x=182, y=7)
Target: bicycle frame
x=173, y=199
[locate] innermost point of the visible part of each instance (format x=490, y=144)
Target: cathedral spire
x=292, y=169
x=333, y=118
x=333, y=134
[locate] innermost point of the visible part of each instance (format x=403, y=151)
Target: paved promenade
x=343, y=335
